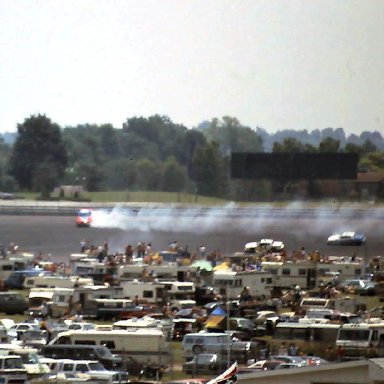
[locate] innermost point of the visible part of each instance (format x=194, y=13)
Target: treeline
x=152, y=154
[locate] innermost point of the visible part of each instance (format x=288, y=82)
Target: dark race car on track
x=346, y=238
x=84, y=218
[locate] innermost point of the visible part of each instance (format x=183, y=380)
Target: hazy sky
x=298, y=64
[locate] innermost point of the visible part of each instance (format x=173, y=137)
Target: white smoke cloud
x=329, y=217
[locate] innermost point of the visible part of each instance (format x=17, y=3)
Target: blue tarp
x=218, y=312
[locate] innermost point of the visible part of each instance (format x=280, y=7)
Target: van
x=82, y=352
x=12, y=370
x=220, y=343
x=208, y=342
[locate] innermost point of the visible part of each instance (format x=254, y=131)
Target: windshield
x=96, y=367
x=29, y=358
x=354, y=335
x=104, y=352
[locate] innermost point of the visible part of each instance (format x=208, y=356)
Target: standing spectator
x=202, y=251
x=128, y=253
x=340, y=353
x=292, y=350
x=283, y=351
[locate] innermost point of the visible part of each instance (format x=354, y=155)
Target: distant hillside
x=316, y=136
x=9, y=137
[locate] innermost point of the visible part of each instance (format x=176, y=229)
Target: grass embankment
x=134, y=197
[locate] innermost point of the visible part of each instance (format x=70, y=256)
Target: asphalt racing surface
x=224, y=229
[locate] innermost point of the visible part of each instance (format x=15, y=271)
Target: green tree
x=38, y=144
x=148, y=175
x=329, y=145
x=210, y=171
x=174, y=176
x=290, y=145
x=231, y=136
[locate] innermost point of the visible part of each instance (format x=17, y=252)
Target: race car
x=84, y=218
x=346, y=238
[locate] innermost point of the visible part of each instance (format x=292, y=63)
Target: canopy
x=222, y=267
x=218, y=311
x=214, y=321
x=203, y=264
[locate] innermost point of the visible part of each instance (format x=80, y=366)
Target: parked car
x=346, y=238
x=12, y=303
x=290, y=359
x=287, y=366
x=209, y=363
x=264, y=365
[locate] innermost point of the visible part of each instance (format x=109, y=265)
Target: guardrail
x=21, y=207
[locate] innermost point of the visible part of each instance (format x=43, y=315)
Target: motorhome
x=342, y=304
x=166, y=271
x=355, y=339
x=309, y=275
x=230, y=283
x=106, y=308
x=307, y=336
x=57, y=299
x=144, y=345
x=55, y=281
x=178, y=294
x=16, y=262
x=86, y=266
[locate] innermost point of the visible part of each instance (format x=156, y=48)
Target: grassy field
x=126, y=196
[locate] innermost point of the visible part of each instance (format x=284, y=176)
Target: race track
x=220, y=229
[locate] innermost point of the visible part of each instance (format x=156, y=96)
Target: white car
x=264, y=244
x=93, y=369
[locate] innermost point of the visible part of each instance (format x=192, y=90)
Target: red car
x=84, y=218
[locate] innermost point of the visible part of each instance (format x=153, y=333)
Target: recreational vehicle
x=308, y=337
x=230, y=284
x=57, y=300
x=309, y=275
x=355, y=339
x=178, y=294
x=144, y=345
x=54, y=281
x=166, y=271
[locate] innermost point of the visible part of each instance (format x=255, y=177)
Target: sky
x=294, y=64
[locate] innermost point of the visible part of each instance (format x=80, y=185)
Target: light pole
x=228, y=335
